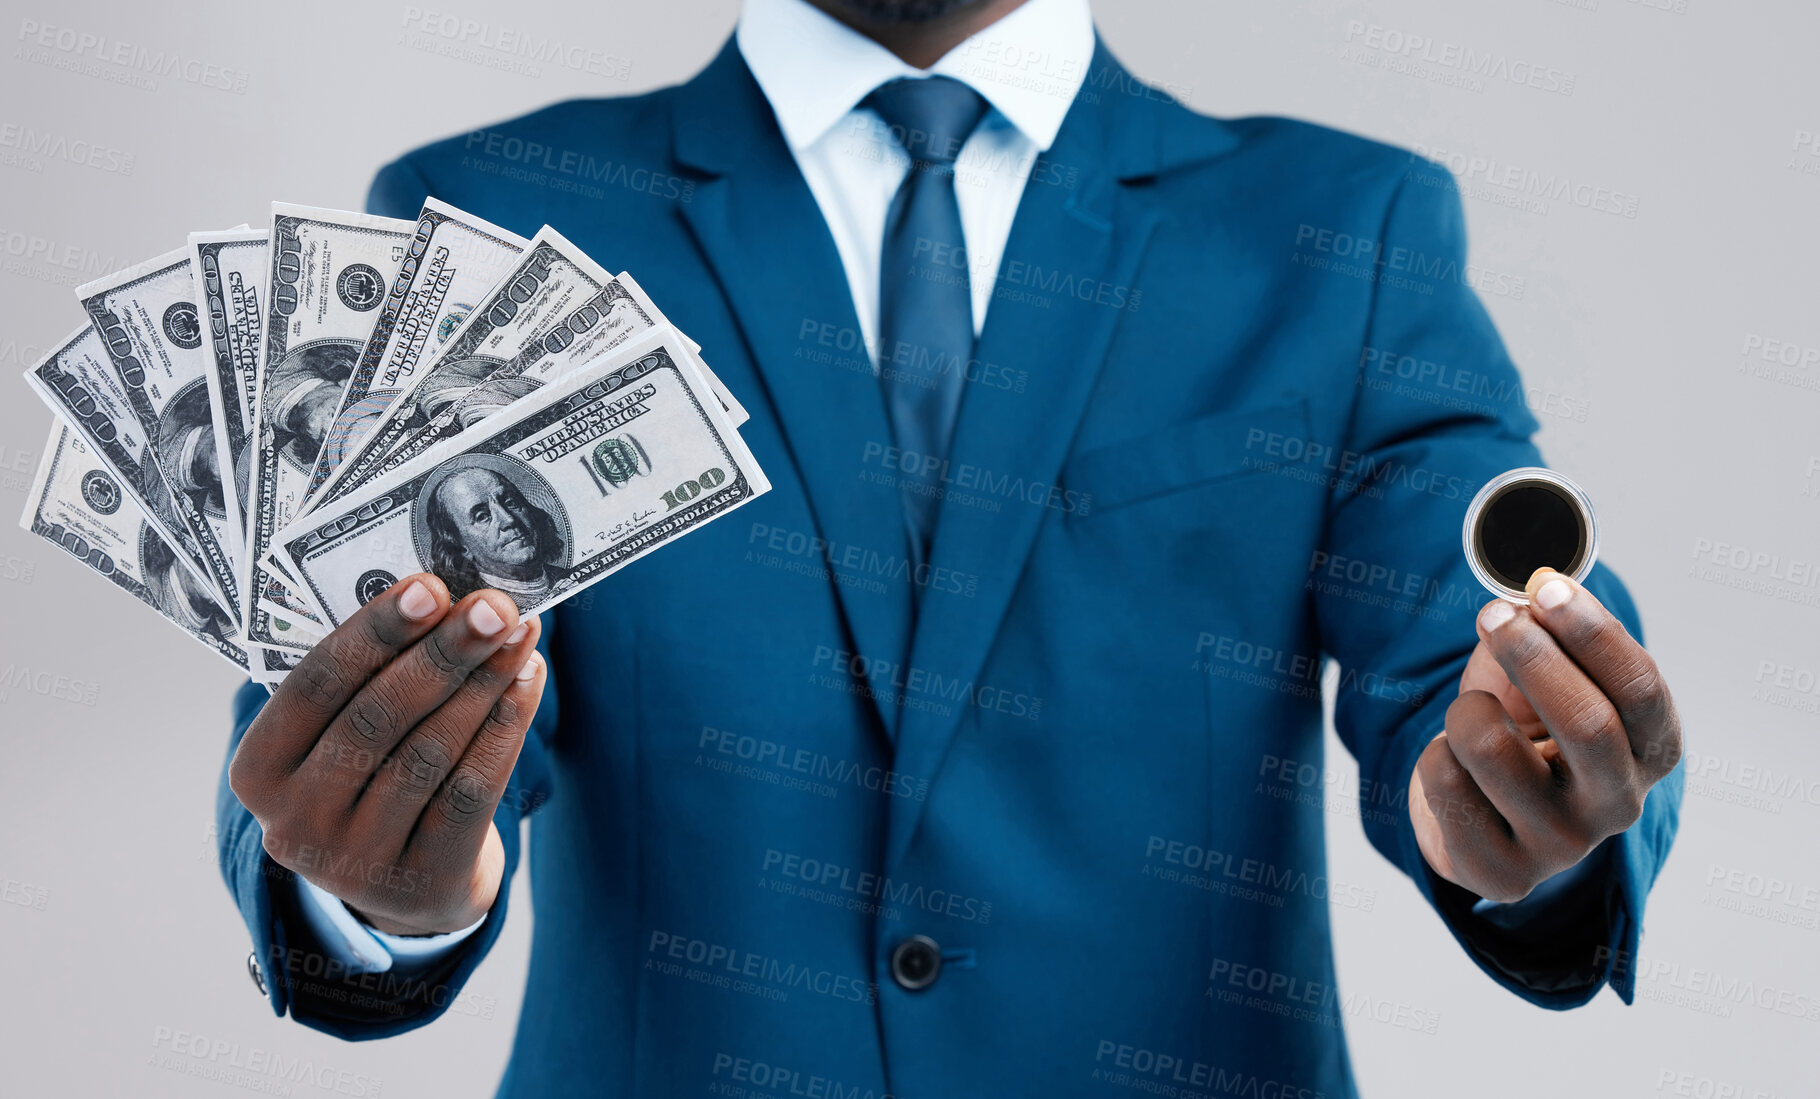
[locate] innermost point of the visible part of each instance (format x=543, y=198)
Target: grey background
x=115, y=931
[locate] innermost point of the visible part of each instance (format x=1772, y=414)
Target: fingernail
x=485, y=619
x=518, y=632
x=1553, y=594
x=416, y=602
x=529, y=671
x=1496, y=615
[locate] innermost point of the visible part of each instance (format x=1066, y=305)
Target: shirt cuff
x=364, y=949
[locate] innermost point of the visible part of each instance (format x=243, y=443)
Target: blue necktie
x=925, y=304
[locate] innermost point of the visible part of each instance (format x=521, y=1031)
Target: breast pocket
x=1184, y=456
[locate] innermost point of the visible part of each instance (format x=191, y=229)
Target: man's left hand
x=1562, y=726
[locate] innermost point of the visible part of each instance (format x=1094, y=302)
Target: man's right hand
x=375, y=766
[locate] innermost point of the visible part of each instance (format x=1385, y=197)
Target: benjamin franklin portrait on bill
x=491, y=523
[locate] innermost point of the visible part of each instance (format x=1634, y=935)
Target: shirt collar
x=814, y=69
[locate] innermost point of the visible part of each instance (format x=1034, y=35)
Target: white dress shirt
x=814, y=71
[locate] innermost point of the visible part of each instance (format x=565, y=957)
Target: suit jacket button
x=252, y=970
x=916, y=963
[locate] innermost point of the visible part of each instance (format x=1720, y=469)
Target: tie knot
x=931, y=117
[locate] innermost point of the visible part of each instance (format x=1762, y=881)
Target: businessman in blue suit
x=974, y=759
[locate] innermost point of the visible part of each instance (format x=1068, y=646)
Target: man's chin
x=514, y=562
x=903, y=11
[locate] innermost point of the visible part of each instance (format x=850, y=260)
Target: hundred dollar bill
x=231, y=269
x=281, y=602
x=289, y=633
x=270, y=666
x=605, y=319
x=291, y=636
x=453, y=259
x=328, y=274
x=565, y=488
x=736, y=413
x=77, y=504
x=80, y=384
x=550, y=278
x=550, y=300
x=151, y=328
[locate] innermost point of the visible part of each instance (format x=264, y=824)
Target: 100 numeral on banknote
x=329, y=272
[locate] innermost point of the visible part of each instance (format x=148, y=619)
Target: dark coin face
x=1529, y=525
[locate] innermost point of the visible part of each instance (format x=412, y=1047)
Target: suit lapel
x=1064, y=283
x=776, y=263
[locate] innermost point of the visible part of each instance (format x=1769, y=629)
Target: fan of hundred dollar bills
x=259, y=432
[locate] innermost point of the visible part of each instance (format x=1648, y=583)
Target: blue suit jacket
x=1235, y=391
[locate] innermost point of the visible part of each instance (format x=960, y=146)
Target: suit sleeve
x=1439, y=409
x=398, y=190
